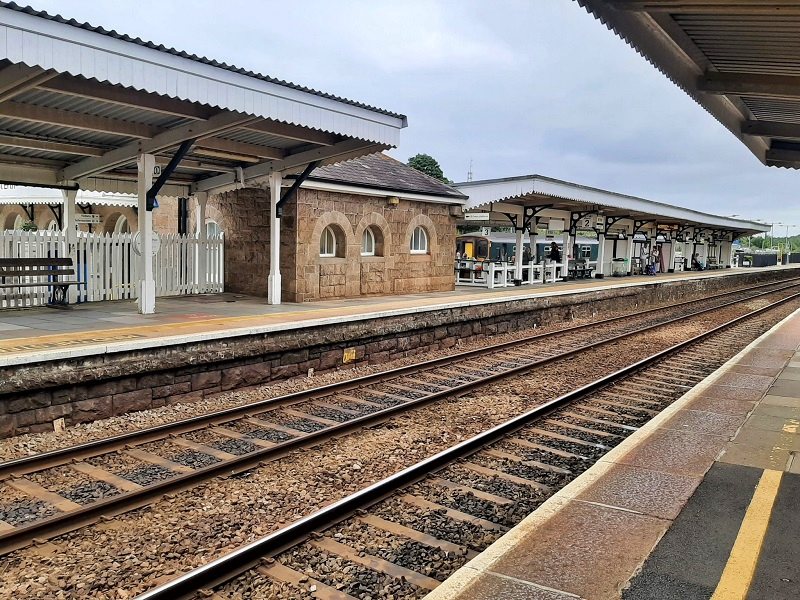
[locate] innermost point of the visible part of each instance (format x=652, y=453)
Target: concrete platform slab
x=584, y=549
x=104, y=327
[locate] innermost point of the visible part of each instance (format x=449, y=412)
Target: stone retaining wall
x=83, y=389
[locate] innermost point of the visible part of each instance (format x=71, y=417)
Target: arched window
x=212, y=229
x=52, y=226
x=18, y=222
x=327, y=243
x=419, y=241
x=121, y=226
x=368, y=242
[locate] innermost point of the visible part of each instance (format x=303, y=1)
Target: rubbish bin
x=619, y=267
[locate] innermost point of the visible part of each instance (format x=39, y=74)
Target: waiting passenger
x=526, y=256
x=696, y=265
x=554, y=254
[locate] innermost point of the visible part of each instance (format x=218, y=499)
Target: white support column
x=274, y=279
x=629, y=253
x=202, y=242
x=70, y=228
x=518, y=255
x=725, y=257
x=671, y=257
x=147, y=285
x=601, y=255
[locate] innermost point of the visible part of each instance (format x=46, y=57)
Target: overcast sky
x=518, y=87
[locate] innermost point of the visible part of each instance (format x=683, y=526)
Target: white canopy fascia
x=482, y=193
x=46, y=43
x=30, y=195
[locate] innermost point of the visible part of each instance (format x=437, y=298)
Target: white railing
x=497, y=274
x=108, y=268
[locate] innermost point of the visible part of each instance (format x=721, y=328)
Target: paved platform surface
x=702, y=502
x=101, y=327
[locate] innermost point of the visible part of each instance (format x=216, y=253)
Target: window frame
x=423, y=237
x=327, y=252
x=368, y=234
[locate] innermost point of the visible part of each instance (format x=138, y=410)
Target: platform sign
x=90, y=219
x=349, y=355
x=476, y=216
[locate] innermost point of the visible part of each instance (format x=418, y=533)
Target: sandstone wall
x=392, y=270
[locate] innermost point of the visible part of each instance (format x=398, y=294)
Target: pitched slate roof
x=382, y=172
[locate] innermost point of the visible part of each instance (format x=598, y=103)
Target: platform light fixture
x=393, y=200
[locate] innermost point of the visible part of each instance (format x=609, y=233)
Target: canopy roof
x=79, y=103
x=536, y=190
x=738, y=58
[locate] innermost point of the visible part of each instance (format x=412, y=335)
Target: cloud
x=516, y=86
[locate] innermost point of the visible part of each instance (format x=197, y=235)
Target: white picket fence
x=108, y=268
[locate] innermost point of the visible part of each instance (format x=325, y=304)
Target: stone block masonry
x=94, y=387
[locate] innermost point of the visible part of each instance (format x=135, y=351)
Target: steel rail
x=226, y=567
x=52, y=458
x=91, y=513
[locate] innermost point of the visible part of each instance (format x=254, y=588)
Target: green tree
x=425, y=163
x=29, y=226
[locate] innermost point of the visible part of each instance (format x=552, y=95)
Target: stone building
x=367, y=226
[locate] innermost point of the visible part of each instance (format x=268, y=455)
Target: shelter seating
x=18, y=273
x=712, y=263
x=579, y=269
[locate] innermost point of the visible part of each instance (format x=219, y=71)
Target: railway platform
x=107, y=327
x=699, y=503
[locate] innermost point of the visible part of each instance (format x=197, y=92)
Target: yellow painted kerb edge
x=741, y=567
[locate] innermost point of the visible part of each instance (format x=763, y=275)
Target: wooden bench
x=29, y=272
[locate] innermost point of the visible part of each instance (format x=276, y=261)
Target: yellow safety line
x=741, y=567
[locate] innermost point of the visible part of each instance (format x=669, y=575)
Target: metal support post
x=71, y=235
x=202, y=242
x=274, y=279
x=629, y=253
x=601, y=255
x=520, y=231
x=147, y=286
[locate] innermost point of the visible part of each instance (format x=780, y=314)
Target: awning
x=499, y=195
x=738, y=58
x=78, y=104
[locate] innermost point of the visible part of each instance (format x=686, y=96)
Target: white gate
x=108, y=268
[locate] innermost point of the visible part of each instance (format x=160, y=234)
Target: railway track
x=79, y=485
x=400, y=537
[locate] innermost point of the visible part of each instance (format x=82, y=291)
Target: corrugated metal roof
x=539, y=189
x=738, y=60
x=99, y=108
x=200, y=59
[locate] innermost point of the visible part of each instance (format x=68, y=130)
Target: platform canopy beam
x=731, y=56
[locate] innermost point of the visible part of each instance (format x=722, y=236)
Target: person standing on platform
x=554, y=254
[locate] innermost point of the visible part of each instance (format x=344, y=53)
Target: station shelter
x=633, y=234
x=85, y=108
